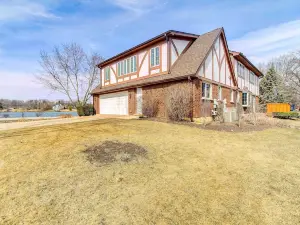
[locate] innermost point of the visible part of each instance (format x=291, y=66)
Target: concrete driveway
x=55, y=121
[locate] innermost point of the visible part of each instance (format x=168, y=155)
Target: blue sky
x=259, y=29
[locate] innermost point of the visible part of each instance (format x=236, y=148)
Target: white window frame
x=220, y=90
x=127, y=66
x=107, y=73
x=241, y=70
x=205, y=91
x=247, y=98
x=251, y=79
x=155, y=56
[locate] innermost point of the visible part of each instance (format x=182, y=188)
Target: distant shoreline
x=36, y=110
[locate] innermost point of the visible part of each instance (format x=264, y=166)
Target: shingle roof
x=186, y=65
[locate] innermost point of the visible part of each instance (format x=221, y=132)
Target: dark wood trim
x=175, y=48
x=140, y=66
x=143, y=85
x=160, y=58
x=226, y=51
x=169, y=55
x=217, y=83
x=114, y=72
x=212, y=61
x=184, y=50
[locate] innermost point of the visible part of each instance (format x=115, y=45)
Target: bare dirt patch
x=115, y=151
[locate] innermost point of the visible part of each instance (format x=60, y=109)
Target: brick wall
x=158, y=93
x=205, y=110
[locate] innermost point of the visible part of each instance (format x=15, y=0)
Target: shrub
x=86, y=110
x=80, y=110
x=220, y=112
x=286, y=115
x=206, y=111
x=89, y=110
x=239, y=113
x=150, y=106
x=179, y=102
x=262, y=119
x=70, y=107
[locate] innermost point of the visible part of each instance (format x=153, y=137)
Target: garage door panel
x=114, y=104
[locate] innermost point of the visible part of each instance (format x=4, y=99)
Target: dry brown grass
x=262, y=119
x=190, y=176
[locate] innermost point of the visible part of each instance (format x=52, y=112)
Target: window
x=245, y=99
x=206, y=91
x=155, y=56
x=107, y=73
x=241, y=70
x=127, y=66
x=231, y=95
x=252, y=77
x=219, y=93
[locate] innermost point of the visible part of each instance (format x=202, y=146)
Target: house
x=202, y=63
x=248, y=77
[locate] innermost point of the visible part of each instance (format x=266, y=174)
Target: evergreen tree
x=272, y=88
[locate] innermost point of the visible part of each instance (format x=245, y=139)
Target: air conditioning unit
x=213, y=112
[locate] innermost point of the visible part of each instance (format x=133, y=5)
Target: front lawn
x=188, y=175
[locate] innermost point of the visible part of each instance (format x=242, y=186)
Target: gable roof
x=187, y=65
x=242, y=58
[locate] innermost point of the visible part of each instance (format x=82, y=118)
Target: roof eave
x=147, y=43
x=240, y=54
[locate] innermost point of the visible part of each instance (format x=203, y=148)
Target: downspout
x=168, y=53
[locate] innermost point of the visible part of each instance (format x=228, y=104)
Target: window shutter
x=157, y=56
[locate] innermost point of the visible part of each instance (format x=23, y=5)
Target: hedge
x=286, y=115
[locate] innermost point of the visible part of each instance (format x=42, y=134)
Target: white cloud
x=137, y=6
x=22, y=9
x=14, y=87
x=267, y=43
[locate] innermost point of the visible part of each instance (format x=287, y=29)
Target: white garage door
x=114, y=104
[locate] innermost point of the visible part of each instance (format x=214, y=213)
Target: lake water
x=33, y=114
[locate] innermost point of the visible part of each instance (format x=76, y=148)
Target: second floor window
x=107, y=73
x=252, y=77
x=127, y=66
x=154, y=56
x=240, y=70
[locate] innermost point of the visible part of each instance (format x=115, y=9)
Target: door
x=139, y=101
x=114, y=104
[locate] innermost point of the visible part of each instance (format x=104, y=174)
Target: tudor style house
x=202, y=62
x=247, y=76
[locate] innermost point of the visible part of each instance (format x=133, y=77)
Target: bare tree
x=179, y=102
x=288, y=67
x=239, y=113
x=71, y=71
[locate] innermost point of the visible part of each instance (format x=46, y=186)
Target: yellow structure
x=278, y=107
